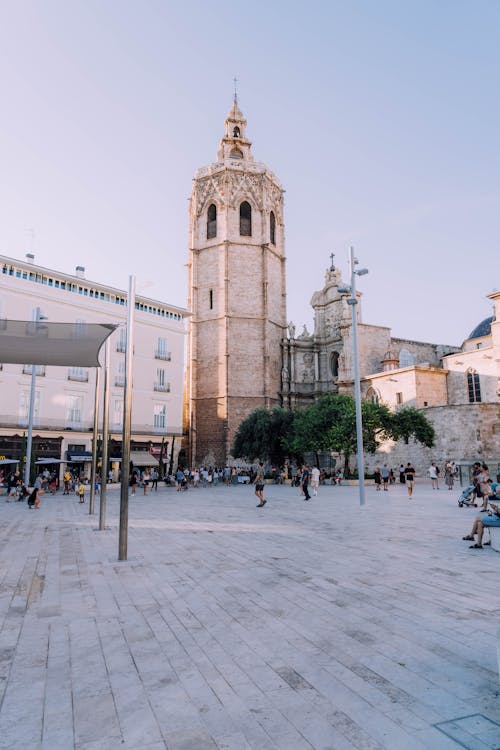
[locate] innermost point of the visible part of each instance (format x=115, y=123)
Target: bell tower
x=236, y=295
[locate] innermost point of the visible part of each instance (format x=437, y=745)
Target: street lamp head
x=344, y=289
x=361, y=272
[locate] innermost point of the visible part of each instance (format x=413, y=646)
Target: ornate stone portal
x=237, y=296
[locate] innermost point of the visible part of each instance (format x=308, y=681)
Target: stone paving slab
x=298, y=626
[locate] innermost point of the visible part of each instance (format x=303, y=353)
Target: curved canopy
x=45, y=343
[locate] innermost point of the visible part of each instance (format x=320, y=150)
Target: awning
x=46, y=343
x=143, y=458
x=4, y=461
x=79, y=457
x=46, y=461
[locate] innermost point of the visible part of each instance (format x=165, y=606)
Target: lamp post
x=352, y=301
x=37, y=317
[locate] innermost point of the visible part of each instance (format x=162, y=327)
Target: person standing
x=259, y=485
x=146, y=476
x=377, y=476
x=133, y=481
x=384, y=471
x=81, y=492
x=315, y=480
x=433, y=473
x=154, y=480
x=306, y=472
x=402, y=478
x=409, y=478
x=448, y=475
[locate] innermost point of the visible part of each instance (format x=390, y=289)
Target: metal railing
x=80, y=377
x=165, y=356
x=162, y=387
x=120, y=381
x=121, y=346
x=40, y=369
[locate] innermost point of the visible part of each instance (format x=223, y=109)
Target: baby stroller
x=467, y=497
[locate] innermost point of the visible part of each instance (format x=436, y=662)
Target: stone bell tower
x=236, y=297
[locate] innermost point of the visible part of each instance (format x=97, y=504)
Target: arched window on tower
x=236, y=154
x=334, y=364
x=245, y=219
x=474, y=387
x=272, y=228
x=406, y=358
x=212, y=221
x=236, y=132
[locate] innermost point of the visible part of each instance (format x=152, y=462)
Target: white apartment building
x=64, y=400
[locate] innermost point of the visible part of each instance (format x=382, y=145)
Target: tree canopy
x=328, y=424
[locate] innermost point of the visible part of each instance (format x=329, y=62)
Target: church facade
x=237, y=294
x=242, y=354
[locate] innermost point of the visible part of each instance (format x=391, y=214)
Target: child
x=81, y=492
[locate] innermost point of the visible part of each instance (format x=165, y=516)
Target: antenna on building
x=235, y=81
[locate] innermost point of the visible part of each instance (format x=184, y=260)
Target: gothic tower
x=236, y=297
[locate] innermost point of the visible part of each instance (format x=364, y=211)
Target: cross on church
x=332, y=256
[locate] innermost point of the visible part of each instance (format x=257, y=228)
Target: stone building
x=456, y=387
x=236, y=294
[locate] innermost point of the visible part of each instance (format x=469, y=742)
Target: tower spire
x=235, y=81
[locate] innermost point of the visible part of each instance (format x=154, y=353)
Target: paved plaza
x=296, y=626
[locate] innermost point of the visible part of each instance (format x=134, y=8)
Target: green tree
x=330, y=425
x=264, y=434
x=410, y=422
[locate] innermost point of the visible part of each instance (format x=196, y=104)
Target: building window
x=74, y=411
x=121, y=344
x=211, y=299
x=161, y=381
x=161, y=350
x=474, y=387
x=236, y=154
x=245, y=219
x=78, y=373
x=399, y=398
x=24, y=407
x=159, y=416
x=334, y=364
x=39, y=369
x=117, y=412
x=212, y=221
x=372, y=396
x=405, y=358
x=272, y=228
x=236, y=132
x=120, y=376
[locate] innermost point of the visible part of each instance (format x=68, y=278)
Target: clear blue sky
x=381, y=118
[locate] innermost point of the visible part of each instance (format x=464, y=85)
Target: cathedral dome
x=483, y=329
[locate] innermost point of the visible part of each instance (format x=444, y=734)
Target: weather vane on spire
x=235, y=81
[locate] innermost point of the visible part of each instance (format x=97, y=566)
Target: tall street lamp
x=38, y=316
x=352, y=301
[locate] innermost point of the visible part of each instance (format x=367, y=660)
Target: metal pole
x=127, y=419
x=27, y=468
x=357, y=390
x=105, y=436
x=93, y=469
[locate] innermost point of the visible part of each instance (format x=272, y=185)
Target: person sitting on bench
x=479, y=526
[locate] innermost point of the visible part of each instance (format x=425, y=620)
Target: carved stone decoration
x=210, y=189
x=241, y=186
x=308, y=376
x=308, y=358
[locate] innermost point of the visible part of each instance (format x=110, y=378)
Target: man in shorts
x=259, y=485
x=410, y=478
x=480, y=524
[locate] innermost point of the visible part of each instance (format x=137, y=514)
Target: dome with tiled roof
x=483, y=329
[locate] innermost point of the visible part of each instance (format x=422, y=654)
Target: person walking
x=315, y=480
x=34, y=498
x=146, y=476
x=409, y=478
x=306, y=473
x=402, y=478
x=81, y=492
x=433, y=473
x=259, y=485
x=133, y=481
x=154, y=480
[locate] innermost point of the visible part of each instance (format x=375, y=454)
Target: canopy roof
x=46, y=343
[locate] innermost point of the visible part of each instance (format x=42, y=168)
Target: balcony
x=121, y=346
x=165, y=356
x=79, y=377
x=120, y=381
x=162, y=387
x=40, y=369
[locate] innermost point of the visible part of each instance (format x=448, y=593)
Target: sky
x=381, y=118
